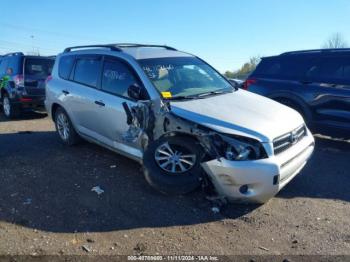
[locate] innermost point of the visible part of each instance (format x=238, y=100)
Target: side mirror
x=135, y=92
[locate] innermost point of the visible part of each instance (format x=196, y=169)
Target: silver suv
x=179, y=118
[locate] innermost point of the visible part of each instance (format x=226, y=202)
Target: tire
x=10, y=109
x=65, y=129
x=178, y=182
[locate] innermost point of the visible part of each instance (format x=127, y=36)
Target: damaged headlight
x=241, y=148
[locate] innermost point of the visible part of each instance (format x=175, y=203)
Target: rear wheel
x=172, y=165
x=65, y=128
x=10, y=109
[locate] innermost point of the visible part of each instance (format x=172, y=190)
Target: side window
x=87, y=71
x=65, y=66
x=313, y=71
x=3, y=66
x=332, y=69
x=117, y=77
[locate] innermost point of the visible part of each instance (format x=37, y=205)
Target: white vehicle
x=179, y=117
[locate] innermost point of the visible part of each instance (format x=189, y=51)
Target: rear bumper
x=260, y=179
x=29, y=101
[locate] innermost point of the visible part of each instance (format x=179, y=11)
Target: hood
x=241, y=113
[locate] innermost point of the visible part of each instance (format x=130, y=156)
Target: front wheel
x=172, y=165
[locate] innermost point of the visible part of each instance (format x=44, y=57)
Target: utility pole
x=32, y=37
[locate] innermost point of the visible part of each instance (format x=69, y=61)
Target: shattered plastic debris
x=215, y=210
x=264, y=248
x=86, y=248
x=28, y=201
x=98, y=190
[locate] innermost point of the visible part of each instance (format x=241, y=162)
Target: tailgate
x=35, y=72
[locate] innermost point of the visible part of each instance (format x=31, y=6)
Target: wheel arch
x=297, y=103
x=54, y=108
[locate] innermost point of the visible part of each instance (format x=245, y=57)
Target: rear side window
x=268, y=67
x=3, y=66
x=15, y=63
x=87, y=71
x=117, y=77
x=38, y=67
x=65, y=66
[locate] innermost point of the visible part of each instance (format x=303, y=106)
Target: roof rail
x=326, y=50
x=13, y=54
x=112, y=47
x=121, y=45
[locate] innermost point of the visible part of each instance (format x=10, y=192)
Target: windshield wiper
x=181, y=98
x=199, y=96
x=212, y=93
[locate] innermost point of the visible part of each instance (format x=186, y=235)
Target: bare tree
x=335, y=41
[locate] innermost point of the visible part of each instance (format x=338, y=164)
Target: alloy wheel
x=6, y=106
x=174, y=159
x=63, y=126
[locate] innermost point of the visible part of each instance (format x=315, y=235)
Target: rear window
x=87, y=71
x=65, y=66
x=38, y=67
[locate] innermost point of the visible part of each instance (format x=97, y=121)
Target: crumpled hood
x=240, y=113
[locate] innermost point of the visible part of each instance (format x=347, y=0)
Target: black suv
x=22, y=82
x=314, y=82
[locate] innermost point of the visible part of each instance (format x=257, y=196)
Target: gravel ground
x=47, y=206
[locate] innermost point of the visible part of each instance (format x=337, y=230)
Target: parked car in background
x=236, y=82
x=178, y=116
x=316, y=83
x=22, y=82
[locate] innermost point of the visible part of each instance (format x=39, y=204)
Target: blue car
x=316, y=83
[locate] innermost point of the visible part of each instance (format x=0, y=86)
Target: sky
x=225, y=33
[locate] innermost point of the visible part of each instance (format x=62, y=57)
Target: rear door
x=35, y=72
x=81, y=92
x=329, y=78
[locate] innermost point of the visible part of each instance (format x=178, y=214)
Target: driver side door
x=117, y=76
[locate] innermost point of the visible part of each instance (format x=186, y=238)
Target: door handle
x=100, y=103
x=65, y=92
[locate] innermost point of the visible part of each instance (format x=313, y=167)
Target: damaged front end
x=222, y=154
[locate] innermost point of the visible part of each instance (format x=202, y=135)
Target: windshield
x=184, y=77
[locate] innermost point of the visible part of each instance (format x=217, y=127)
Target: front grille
x=282, y=143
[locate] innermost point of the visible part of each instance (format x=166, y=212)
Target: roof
x=151, y=52
x=317, y=51
x=138, y=51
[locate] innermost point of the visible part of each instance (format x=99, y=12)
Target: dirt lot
x=47, y=206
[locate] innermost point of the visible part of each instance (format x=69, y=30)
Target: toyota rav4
x=180, y=118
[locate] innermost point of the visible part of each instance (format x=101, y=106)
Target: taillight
x=19, y=80
x=248, y=82
x=48, y=79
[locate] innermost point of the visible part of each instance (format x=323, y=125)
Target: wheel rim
x=63, y=126
x=174, y=159
x=6, y=106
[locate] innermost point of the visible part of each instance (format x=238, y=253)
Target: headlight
x=241, y=148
